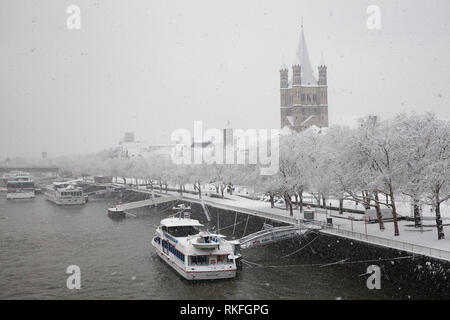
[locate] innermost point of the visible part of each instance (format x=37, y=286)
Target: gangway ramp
x=98, y=192
x=146, y=203
x=275, y=234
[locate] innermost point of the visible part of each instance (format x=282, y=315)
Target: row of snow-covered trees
x=155, y=170
x=378, y=160
x=372, y=164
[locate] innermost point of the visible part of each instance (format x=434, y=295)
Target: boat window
x=198, y=260
x=182, y=231
x=167, y=245
x=236, y=248
x=20, y=184
x=223, y=259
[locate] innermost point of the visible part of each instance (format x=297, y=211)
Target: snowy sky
x=154, y=66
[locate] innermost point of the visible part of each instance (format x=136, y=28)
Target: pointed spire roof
x=322, y=60
x=302, y=58
x=283, y=64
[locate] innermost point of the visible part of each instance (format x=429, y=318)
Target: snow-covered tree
x=437, y=170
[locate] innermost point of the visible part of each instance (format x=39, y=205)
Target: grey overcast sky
x=154, y=66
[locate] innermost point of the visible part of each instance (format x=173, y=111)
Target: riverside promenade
x=415, y=241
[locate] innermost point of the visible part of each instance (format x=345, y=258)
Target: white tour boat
x=65, y=193
x=19, y=185
x=194, y=254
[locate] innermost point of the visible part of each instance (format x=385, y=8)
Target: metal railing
x=262, y=214
x=395, y=244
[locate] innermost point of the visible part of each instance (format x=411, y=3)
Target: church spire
x=303, y=60
x=303, y=99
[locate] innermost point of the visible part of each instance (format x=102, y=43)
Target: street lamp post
x=365, y=223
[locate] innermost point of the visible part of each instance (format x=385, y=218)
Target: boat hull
x=20, y=195
x=65, y=202
x=115, y=213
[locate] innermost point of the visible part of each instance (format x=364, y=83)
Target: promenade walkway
x=416, y=241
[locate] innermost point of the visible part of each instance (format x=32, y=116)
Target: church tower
x=303, y=98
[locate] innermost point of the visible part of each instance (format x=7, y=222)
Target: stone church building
x=303, y=98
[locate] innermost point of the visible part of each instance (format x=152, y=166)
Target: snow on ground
x=408, y=234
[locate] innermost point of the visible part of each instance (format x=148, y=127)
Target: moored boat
x=19, y=185
x=195, y=254
x=65, y=193
x=116, y=212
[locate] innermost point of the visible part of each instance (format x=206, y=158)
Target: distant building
x=129, y=148
x=129, y=137
x=228, y=137
x=102, y=179
x=201, y=145
x=303, y=98
x=44, y=155
x=141, y=149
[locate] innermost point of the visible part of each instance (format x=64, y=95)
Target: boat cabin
x=180, y=227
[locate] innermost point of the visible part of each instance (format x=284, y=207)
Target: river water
x=39, y=240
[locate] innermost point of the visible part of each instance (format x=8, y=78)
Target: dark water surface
x=39, y=240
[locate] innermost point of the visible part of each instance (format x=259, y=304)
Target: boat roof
x=72, y=182
x=180, y=222
x=208, y=234
x=17, y=174
x=60, y=184
x=71, y=187
x=66, y=186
